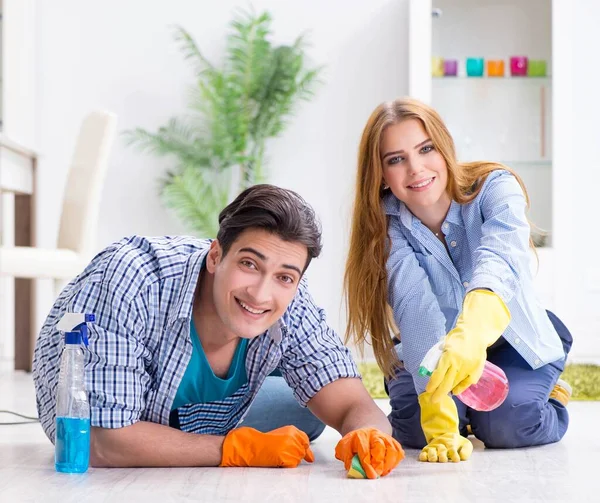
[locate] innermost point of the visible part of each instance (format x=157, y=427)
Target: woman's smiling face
x=414, y=170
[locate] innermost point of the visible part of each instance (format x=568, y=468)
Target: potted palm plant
x=217, y=148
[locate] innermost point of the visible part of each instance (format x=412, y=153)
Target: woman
x=441, y=250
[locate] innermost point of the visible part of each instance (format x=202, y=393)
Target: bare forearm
x=364, y=414
x=153, y=445
x=346, y=405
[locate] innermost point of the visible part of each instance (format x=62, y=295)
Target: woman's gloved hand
x=483, y=320
x=439, y=421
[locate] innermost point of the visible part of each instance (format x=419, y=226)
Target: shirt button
x=445, y=227
x=453, y=244
x=466, y=284
x=537, y=362
x=517, y=340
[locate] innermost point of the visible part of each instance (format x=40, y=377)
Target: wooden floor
x=563, y=472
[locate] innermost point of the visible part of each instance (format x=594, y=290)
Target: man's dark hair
x=273, y=209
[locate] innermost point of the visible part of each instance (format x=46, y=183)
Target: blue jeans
x=275, y=406
x=527, y=417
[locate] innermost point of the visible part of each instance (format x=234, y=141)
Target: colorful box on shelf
x=475, y=67
x=518, y=66
x=536, y=68
x=495, y=68
x=437, y=66
x=450, y=67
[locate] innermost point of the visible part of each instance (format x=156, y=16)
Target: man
x=188, y=331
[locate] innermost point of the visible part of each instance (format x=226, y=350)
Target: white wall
x=583, y=175
x=17, y=114
x=493, y=29
x=17, y=61
x=120, y=55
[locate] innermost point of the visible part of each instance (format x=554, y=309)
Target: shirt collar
x=189, y=280
x=393, y=206
x=276, y=331
x=454, y=215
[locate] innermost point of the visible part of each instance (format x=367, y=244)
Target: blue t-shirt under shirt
x=199, y=383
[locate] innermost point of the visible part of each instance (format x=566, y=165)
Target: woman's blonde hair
x=365, y=278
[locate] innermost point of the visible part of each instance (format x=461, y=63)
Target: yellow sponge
x=356, y=470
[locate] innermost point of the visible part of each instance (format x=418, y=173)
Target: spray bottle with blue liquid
x=72, y=442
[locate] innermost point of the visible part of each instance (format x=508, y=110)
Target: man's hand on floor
x=378, y=452
x=284, y=447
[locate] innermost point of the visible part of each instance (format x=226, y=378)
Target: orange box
x=495, y=68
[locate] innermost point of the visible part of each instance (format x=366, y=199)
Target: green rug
x=584, y=379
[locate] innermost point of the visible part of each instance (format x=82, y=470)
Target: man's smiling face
x=255, y=281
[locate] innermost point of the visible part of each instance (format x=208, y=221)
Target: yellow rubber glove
x=483, y=320
x=284, y=447
x=440, y=424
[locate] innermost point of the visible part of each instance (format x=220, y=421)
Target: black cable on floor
x=29, y=419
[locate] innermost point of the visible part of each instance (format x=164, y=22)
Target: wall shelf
x=547, y=80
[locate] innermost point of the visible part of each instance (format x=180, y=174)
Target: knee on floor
x=510, y=426
x=407, y=429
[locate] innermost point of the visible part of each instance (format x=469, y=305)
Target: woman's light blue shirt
x=488, y=247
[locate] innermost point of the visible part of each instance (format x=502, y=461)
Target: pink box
x=518, y=66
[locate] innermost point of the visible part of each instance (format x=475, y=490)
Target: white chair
x=78, y=224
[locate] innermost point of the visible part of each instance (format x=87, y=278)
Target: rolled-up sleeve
x=502, y=257
x=416, y=310
x=315, y=355
x=116, y=379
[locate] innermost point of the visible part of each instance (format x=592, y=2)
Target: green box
x=536, y=68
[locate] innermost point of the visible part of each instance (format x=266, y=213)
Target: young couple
x=213, y=353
